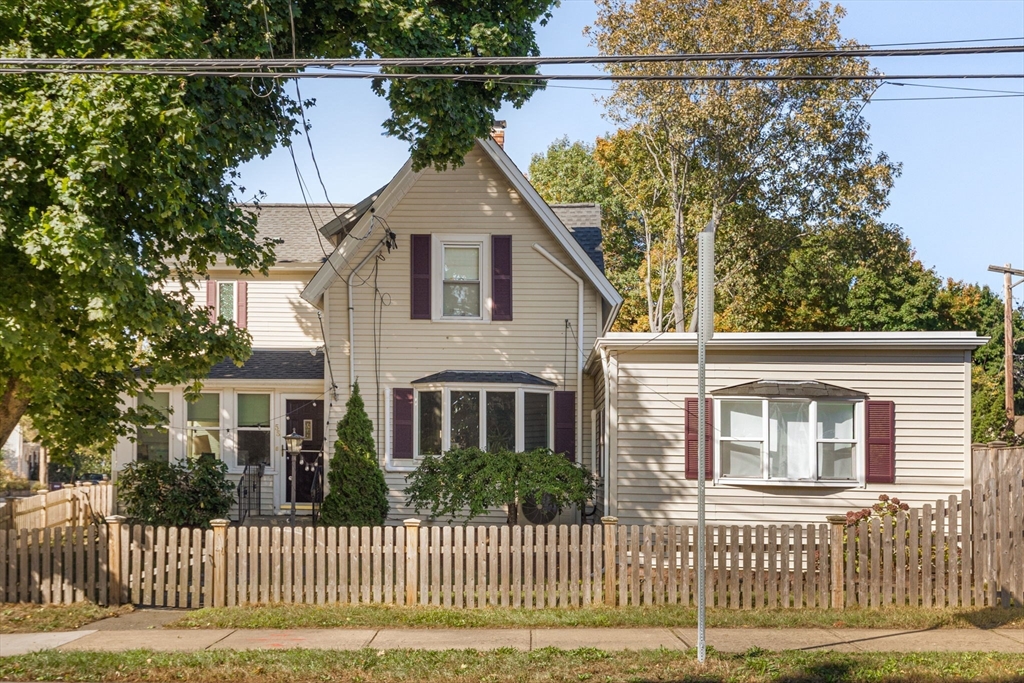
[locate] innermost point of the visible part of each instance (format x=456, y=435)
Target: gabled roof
x=400, y=184
x=295, y=225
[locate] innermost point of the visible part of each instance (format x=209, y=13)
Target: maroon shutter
x=690, y=428
x=501, y=277
x=420, y=280
x=242, y=295
x=401, y=422
x=565, y=424
x=211, y=299
x=880, y=463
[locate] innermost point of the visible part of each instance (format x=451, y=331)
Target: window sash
x=519, y=392
x=813, y=460
x=227, y=300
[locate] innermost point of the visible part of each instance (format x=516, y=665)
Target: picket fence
x=963, y=551
x=79, y=505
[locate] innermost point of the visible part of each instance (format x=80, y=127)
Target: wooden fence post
x=610, y=525
x=837, y=525
x=113, y=529
x=219, y=560
x=412, y=560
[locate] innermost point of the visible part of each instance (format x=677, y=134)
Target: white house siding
x=931, y=390
x=278, y=318
x=473, y=199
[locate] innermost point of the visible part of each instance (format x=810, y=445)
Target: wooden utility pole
x=1008, y=285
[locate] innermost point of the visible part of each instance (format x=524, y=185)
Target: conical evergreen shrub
x=357, y=494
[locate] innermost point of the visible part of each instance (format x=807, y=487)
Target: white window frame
x=407, y=465
x=766, y=479
x=272, y=429
x=438, y=243
x=169, y=427
x=221, y=427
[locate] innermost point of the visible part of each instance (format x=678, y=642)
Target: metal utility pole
x=705, y=330
x=1008, y=285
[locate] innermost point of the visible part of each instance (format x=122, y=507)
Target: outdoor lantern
x=293, y=443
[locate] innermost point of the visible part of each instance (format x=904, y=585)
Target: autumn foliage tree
x=111, y=186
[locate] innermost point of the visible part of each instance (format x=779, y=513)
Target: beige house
x=472, y=313
x=801, y=425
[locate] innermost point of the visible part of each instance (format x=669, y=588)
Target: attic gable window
x=460, y=285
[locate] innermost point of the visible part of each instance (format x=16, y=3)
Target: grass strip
x=28, y=618
x=500, y=666
x=381, y=616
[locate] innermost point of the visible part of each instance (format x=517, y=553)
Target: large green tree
x=797, y=153
x=113, y=185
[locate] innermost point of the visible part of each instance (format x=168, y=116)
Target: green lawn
x=365, y=616
x=549, y=665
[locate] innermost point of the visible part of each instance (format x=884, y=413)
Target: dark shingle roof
x=578, y=215
x=292, y=224
x=584, y=222
x=767, y=388
x=479, y=377
x=273, y=364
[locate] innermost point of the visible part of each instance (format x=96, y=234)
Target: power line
x=210, y=63
x=484, y=78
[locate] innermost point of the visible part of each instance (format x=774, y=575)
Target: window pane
x=226, y=299
x=205, y=412
x=161, y=401
x=835, y=461
x=789, y=433
x=430, y=422
x=501, y=421
x=254, y=410
x=461, y=263
x=835, y=421
x=465, y=419
x=152, y=445
x=204, y=442
x=741, y=458
x=535, y=421
x=742, y=420
x=253, y=448
x=462, y=300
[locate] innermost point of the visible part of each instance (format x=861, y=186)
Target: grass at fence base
x=28, y=618
x=378, y=666
x=367, y=616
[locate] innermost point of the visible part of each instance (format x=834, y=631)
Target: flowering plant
x=885, y=507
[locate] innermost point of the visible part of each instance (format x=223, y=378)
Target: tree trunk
x=513, y=513
x=13, y=404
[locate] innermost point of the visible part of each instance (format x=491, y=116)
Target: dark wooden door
x=306, y=418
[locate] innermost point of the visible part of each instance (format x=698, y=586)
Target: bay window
x=492, y=419
x=787, y=439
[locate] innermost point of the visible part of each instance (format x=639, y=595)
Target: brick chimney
x=498, y=133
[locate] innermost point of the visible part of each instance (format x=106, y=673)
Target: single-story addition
x=800, y=425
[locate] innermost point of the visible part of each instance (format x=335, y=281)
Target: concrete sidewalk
x=724, y=640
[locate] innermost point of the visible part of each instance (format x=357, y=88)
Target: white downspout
x=579, y=348
x=351, y=319
x=606, y=452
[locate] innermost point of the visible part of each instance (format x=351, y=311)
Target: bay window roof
x=771, y=388
x=484, y=377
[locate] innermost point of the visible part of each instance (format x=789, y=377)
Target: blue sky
x=960, y=198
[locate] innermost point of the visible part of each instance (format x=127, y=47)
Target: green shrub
x=186, y=494
x=470, y=482
x=357, y=494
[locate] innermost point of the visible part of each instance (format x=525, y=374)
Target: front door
x=307, y=418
